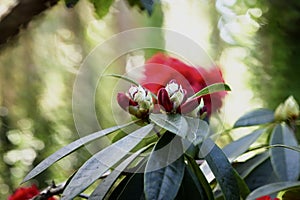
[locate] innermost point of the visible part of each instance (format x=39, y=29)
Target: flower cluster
x=171, y=82
x=26, y=193
x=161, y=69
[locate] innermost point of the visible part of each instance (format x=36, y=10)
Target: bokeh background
x=256, y=44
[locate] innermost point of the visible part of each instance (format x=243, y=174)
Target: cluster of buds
x=289, y=110
x=170, y=99
x=138, y=101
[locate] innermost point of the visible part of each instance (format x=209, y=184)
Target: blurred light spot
x=255, y=12
x=65, y=34
x=4, y=189
x=25, y=123
x=17, y=172
x=134, y=65
x=14, y=136
x=3, y=111
x=28, y=156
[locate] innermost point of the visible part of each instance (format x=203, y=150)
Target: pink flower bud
x=164, y=100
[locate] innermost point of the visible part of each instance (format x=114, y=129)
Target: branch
x=20, y=16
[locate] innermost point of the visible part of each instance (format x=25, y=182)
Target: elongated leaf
x=247, y=167
x=66, y=150
x=190, y=187
x=284, y=146
x=255, y=117
x=221, y=168
x=198, y=130
x=216, y=87
x=92, y=169
x=103, y=188
x=271, y=188
x=132, y=186
x=165, y=168
x=240, y=146
x=124, y=78
x=243, y=187
x=102, y=6
x=285, y=162
x=201, y=178
x=174, y=123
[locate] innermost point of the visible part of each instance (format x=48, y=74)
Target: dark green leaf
x=165, y=168
x=261, y=175
x=103, y=188
x=240, y=146
x=66, y=150
x=174, y=123
x=243, y=187
x=271, y=188
x=200, y=177
x=245, y=168
x=98, y=164
x=255, y=117
x=221, y=168
x=198, y=130
x=286, y=162
x=102, y=6
x=132, y=186
x=284, y=146
x=216, y=87
x=124, y=78
x=190, y=187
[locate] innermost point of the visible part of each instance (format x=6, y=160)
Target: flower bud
x=137, y=101
x=287, y=110
x=171, y=97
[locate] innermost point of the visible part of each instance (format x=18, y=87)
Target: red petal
x=164, y=100
x=189, y=106
x=124, y=101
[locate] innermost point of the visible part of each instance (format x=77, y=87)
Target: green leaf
x=284, y=146
x=164, y=169
x=255, y=117
x=174, y=123
x=271, y=188
x=200, y=177
x=286, y=162
x=221, y=168
x=240, y=146
x=98, y=164
x=132, y=186
x=102, y=6
x=66, y=150
x=198, y=130
x=216, y=87
x=103, y=188
x=247, y=167
x=125, y=78
x=243, y=187
x=190, y=187
x=262, y=174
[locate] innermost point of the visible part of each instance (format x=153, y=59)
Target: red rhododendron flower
x=161, y=69
x=266, y=198
x=26, y=193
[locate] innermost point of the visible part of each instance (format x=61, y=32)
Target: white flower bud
x=141, y=96
x=176, y=93
x=287, y=110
